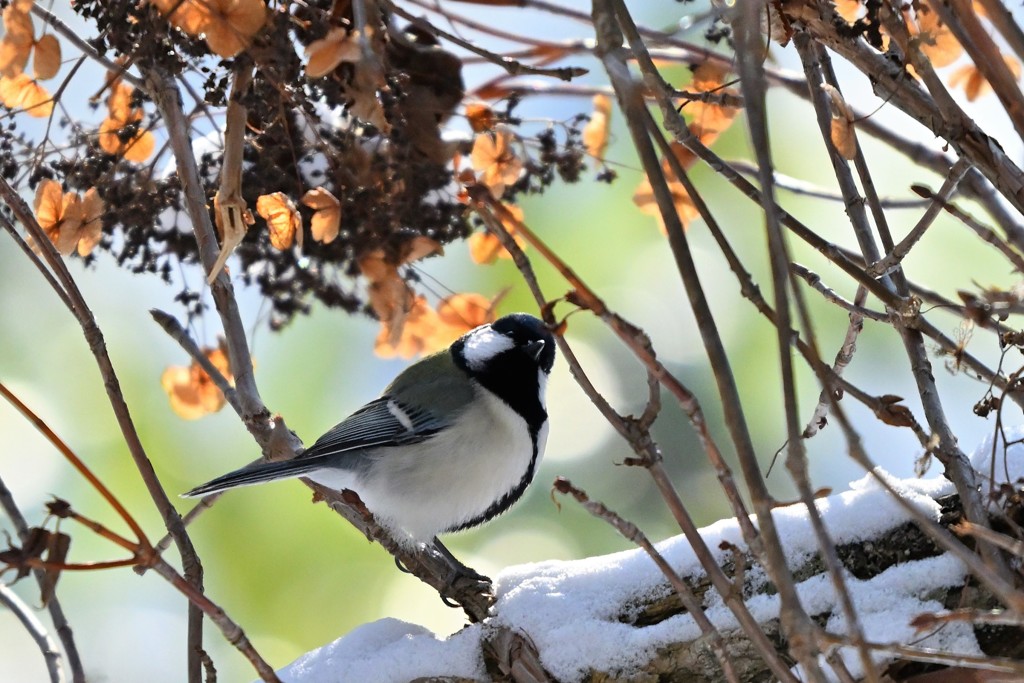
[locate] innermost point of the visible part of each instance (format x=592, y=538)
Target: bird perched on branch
x=452, y=442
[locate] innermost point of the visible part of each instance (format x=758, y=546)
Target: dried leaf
x=46, y=62
x=20, y=558
x=338, y=46
x=494, y=161
x=59, y=215
x=458, y=314
x=850, y=10
x=843, y=137
x=191, y=391
x=22, y=92
x=13, y=57
x=891, y=412
x=595, y=133
x=282, y=218
x=685, y=208
x=481, y=117
x=191, y=16
x=410, y=334
x=973, y=81
x=18, y=27
x=485, y=247
x=419, y=247
x=92, y=222
x=326, y=221
x=937, y=42
x=232, y=25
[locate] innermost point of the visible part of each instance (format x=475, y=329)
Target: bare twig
x=633, y=534
x=931, y=656
x=806, y=189
x=511, y=66
x=82, y=44
x=843, y=358
x=979, y=229
x=814, y=280
x=175, y=331
x=35, y=628
x=639, y=439
x=53, y=605
x=891, y=261
x=997, y=617
x=428, y=565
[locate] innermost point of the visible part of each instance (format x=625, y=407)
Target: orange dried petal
x=18, y=26
x=849, y=10
x=92, y=222
x=937, y=42
x=595, y=133
x=22, y=92
x=419, y=247
x=191, y=392
x=466, y=310
x=140, y=147
x=481, y=117
x=46, y=59
x=282, y=218
x=326, y=221
x=232, y=25
x=13, y=57
x=48, y=206
x=338, y=46
x=494, y=161
x=191, y=16
x=407, y=335
x=484, y=247
x=119, y=104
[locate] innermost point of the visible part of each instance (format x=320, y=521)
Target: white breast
x=450, y=478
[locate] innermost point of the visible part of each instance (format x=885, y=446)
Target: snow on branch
x=616, y=617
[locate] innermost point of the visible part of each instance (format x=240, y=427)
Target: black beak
x=534, y=349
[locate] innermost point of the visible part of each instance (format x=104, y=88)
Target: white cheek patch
x=482, y=345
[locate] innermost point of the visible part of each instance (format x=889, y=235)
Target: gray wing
x=382, y=422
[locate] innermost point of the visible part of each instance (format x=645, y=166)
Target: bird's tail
x=257, y=474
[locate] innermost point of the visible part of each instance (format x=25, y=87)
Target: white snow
x=1009, y=461
x=571, y=610
x=389, y=651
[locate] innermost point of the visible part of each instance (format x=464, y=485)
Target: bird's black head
x=511, y=357
x=516, y=340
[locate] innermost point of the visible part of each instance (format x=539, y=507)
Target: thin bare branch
x=35, y=628
x=53, y=605
x=633, y=534
x=891, y=261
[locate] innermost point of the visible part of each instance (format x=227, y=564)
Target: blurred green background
x=294, y=575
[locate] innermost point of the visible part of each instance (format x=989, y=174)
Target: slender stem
x=77, y=463
x=97, y=344
x=53, y=605
x=633, y=534
x=35, y=628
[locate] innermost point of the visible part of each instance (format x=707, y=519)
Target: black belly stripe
x=506, y=501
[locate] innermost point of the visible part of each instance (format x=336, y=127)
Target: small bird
x=452, y=442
